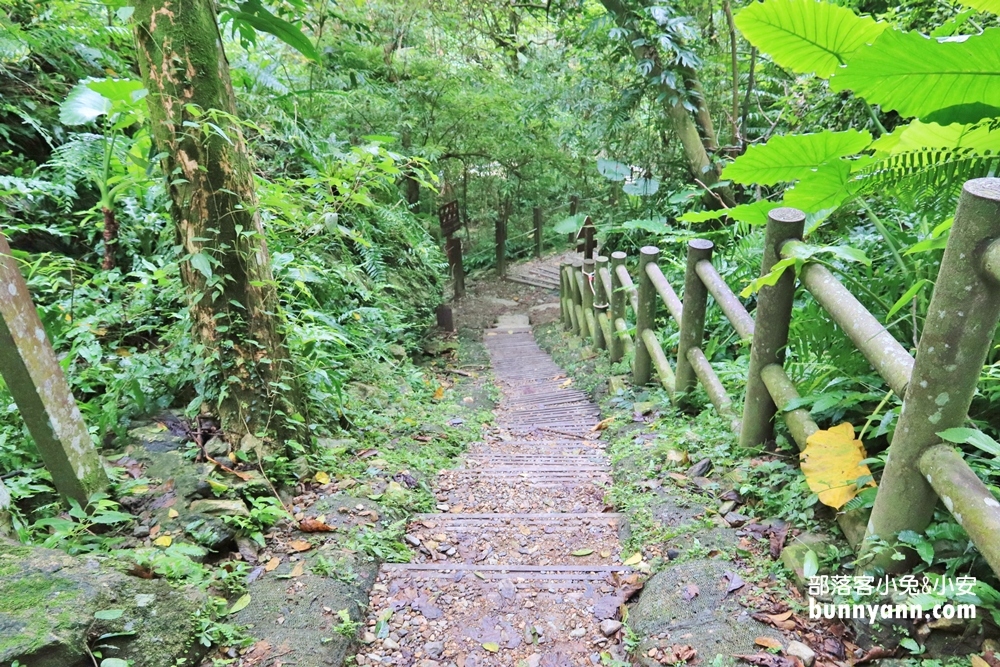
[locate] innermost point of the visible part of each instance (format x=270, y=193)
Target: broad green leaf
x=83, y=105
x=916, y=75
x=114, y=662
x=907, y=297
x=810, y=564
x=971, y=436
x=570, y=225
x=992, y=6
x=652, y=225
x=259, y=18
x=751, y=214
x=492, y=647
x=613, y=171
x=582, y=552
x=806, y=36
x=200, y=262
x=642, y=187
x=240, y=604
x=108, y=614
x=919, y=135
x=790, y=157
x=125, y=91
x=822, y=190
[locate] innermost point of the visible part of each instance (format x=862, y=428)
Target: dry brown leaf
x=272, y=564
x=299, y=569
x=603, y=424
x=314, y=526
x=439, y=393
x=767, y=642
x=299, y=545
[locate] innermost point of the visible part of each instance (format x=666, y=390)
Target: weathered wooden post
x=644, y=315
x=579, y=284
x=693, y=317
x=771, y=321
x=617, y=298
x=586, y=241
x=574, y=294
x=563, y=309
x=537, y=215
x=606, y=333
x=589, y=291
x=36, y=381
x=961, y=320
x=450, y=220
x=500, y=235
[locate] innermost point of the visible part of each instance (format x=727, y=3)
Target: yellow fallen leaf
x=767, y=642
x=439, y=393
x=831, y=463
x=164, y=541
x=139, y=489
x=603, y=424
x=322, y=477
x=300, y=545
x=605, y=553
x=566, y=383
x=272, y=564
x=173, y=514
x=299, y=569
x=978, y=662
x=492, y=647
x=634, y=559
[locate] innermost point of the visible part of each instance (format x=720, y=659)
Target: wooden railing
x=937, y=386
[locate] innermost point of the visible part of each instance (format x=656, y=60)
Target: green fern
x=928, y=171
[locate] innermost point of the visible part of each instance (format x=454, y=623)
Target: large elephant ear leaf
x=790, y=157
x=991, y=6
x=917, y=76
x=806, y=36
x=83, y=105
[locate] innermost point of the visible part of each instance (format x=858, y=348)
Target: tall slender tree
x=226, y=269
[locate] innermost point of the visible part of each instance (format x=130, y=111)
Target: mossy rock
x=48, y=602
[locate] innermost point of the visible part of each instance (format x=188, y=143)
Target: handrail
x=936, y=385
x=880, y=347
x=728, y=303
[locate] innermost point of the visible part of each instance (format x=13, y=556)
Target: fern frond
x=930, y=170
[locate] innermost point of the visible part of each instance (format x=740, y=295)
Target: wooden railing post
x=501, y=249
x=576, y=278
x=453, y=250
x=771, y=321
x=693, y=317
x=574, y=205
x=617, y=300
x=564, y=297
x=589, y=291
x=642, y=367
x=537, y=215
x=601, y=304
x=961, y=321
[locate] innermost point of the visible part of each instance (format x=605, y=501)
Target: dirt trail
x=521, y=566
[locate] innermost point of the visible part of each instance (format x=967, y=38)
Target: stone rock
x=210, y=532
x=700, y=468
x=252, y=444
x=390, y=645
x=610, y=626
x=795, y=551
x=140, y=531
x=156, y=438
x=434, y=649
x=216, y=447
x=735, y=519
x=220, y=507
x=577, y=633
x=534, y=660
x=802, y=652
x=48, y=600
x=727, y=507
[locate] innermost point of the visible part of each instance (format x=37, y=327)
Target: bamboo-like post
x=771, y=321
x=692, y=318
x=961, y=320
x=644, y=314
x=600, y=303
x=588, y=300
x=563, y=314
x=537, y=215
x=617, y=299
x=578, y=286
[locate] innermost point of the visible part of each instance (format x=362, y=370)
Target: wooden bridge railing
x=937, y=387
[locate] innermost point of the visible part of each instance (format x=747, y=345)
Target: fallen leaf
x=767, y=642
x=565, y=384
x=978, y=661
x=831, y=464
x=582, y=552
x=603, y=424
x=690, y=592
x=314, y=526
x=479, y=574
x=173, y=514
x=524, y=530
x=272, y=564
x=164, y=541
x=492, y=647
x=240, y=604
x=735, y=582
x=677, y=456
x=322, y=477
x=299, y=568
x=605, y=553
x=299, y=545
x=634, y=559
x=778, y=618
x=766, y=660
x=439, y=393
x=777, y=538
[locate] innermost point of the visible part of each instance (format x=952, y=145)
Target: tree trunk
x=226, y=271
x=110, y=238
x=699, y=163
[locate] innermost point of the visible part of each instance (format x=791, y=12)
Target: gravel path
x=521, y=566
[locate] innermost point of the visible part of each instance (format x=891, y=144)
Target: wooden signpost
x=450, y=222
x=36, y=381
x=585, y=241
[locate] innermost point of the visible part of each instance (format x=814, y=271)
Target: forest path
x=522, y=564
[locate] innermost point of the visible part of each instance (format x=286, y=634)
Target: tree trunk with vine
x=226, y=269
